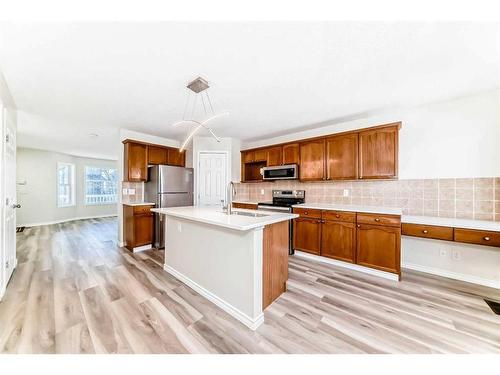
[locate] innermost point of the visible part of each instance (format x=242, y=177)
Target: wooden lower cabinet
x=378, y=247
x=307, y=235
x=338, y=240
x=138, y=229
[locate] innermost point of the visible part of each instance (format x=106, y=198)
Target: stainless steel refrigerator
x=168, y=187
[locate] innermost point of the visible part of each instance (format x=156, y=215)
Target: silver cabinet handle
x=486, y=238
x=425, y=231
x=377, y=220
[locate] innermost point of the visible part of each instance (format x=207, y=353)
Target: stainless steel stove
x=283, y=200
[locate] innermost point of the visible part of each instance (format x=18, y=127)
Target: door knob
x=16, y=206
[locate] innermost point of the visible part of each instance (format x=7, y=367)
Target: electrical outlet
x=179, y=227
x=125, y=191
x=456, y=255
x=262, y=192
x=443, y=252
x=131, y=191
x=346, y=192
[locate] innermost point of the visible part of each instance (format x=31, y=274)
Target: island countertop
x=215, y=216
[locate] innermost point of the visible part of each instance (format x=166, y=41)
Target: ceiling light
x=200, y=89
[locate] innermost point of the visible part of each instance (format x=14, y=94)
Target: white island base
x=240, y=270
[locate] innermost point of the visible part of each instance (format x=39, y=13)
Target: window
x=100, y=185
x=65, y=184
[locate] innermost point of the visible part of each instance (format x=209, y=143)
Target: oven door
x=281, y=172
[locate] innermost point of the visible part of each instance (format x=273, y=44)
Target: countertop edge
x=278, y=218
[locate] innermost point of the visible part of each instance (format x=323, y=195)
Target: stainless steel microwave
x=281, y=172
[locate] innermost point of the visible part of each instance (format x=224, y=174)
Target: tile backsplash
x=470, y=198
x=138, y=192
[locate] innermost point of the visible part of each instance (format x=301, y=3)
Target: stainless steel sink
x=249, y=214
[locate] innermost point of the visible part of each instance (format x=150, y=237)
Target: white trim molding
x=354, y=267
x=65, y=220
x=253, y=324
x=138, y=249
x=453, y=275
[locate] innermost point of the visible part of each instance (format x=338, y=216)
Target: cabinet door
x=175, y=157
x=291, y=154
x=274, y=156
x=342, y=157
x=260, y=155
x=307, y=235
x=247, y=156
x=136, y=162
x=338, y=240
x=378, y=153
x=157, y=155
x=312, y=160
x=143, y=229
x=379, y=247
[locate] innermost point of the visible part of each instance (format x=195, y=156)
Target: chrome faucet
x=230, y=191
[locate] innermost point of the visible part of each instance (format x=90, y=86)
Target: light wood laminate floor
x=75, y=291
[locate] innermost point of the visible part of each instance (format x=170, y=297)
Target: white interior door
x=9, y=260
x=212, y=178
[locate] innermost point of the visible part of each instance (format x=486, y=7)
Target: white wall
x=475, y=263
x=454, y=138
x=38, y=198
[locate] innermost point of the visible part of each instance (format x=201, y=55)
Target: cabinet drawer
x=379, y=219
x=479, y=237
x=349, y=217
x=248, y=206
x=142, y=210
x=428, y=231
x=307, y=212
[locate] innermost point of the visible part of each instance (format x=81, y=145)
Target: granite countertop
x=138, y=203
x=215, y=216
x=352, y=208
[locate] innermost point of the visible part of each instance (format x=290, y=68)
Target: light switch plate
x=131, y=191
x=261, y=191
x=125, y=191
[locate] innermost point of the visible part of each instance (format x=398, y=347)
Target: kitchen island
x=238, y=261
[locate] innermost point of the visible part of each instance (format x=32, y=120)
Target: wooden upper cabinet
x=342, y=157
x=157, y=155
x=260, y=155
x=274, y=156
x=135, y=162
x=291, y=153
x=176, y=158
x=247, y=156
x=312, y=160
x=378, y=152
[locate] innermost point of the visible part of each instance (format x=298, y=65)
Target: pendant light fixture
x=198, y=91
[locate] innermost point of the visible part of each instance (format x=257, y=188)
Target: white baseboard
x=142, y=248
x=253, y=324
x=354, y=267
x=453, y=275
x=64, y=220
x=122, y=243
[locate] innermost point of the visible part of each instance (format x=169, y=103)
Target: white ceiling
x=72, y=79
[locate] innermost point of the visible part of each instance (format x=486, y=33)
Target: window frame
x=85, y=202
x=71, y=184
